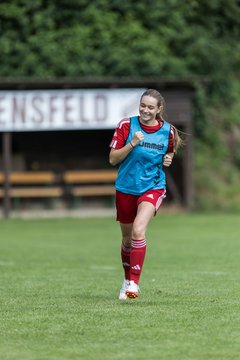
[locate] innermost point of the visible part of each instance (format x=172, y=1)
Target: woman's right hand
x=137, y=138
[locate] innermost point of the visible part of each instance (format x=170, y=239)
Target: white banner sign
x=39, y=110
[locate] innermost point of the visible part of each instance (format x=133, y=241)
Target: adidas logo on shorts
x=150, y=196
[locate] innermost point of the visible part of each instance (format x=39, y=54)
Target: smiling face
x=148, y=110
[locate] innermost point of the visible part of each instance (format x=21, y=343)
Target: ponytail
x=178, y=141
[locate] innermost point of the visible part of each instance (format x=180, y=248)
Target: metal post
x=188, y=169
x=6, y=170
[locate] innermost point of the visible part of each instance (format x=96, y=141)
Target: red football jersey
x=121, y=133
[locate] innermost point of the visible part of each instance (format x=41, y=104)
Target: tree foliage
x=76, y=38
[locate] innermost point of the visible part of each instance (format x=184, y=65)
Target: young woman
x=141, y=145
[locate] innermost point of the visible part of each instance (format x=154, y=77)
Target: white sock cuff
x=138, y=243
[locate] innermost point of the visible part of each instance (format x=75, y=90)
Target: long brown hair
x=178, y=141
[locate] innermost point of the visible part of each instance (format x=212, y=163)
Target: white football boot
x=122, y=293
x=132, y=290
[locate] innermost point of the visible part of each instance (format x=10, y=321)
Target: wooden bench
x=32, y=184
x=46, y=184
x=30, y=177
x=90, y=183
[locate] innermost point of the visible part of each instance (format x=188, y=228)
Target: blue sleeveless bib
x=142, y=169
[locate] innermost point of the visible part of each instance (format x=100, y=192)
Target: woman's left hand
x=167, y=160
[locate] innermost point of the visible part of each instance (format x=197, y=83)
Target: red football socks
x=138, y=252
x=125, y=255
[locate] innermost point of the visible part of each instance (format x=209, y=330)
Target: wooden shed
x=86, y=147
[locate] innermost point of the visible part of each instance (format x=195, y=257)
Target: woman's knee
x=127, y=241
x=126, y=234
x=138, y=231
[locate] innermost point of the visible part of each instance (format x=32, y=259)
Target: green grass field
x=60, y=278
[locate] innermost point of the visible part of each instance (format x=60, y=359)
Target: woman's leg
x=145, y=213
x=126, y=230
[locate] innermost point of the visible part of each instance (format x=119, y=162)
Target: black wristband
x=131, y=144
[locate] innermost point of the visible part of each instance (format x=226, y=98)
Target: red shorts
x=127, y=204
